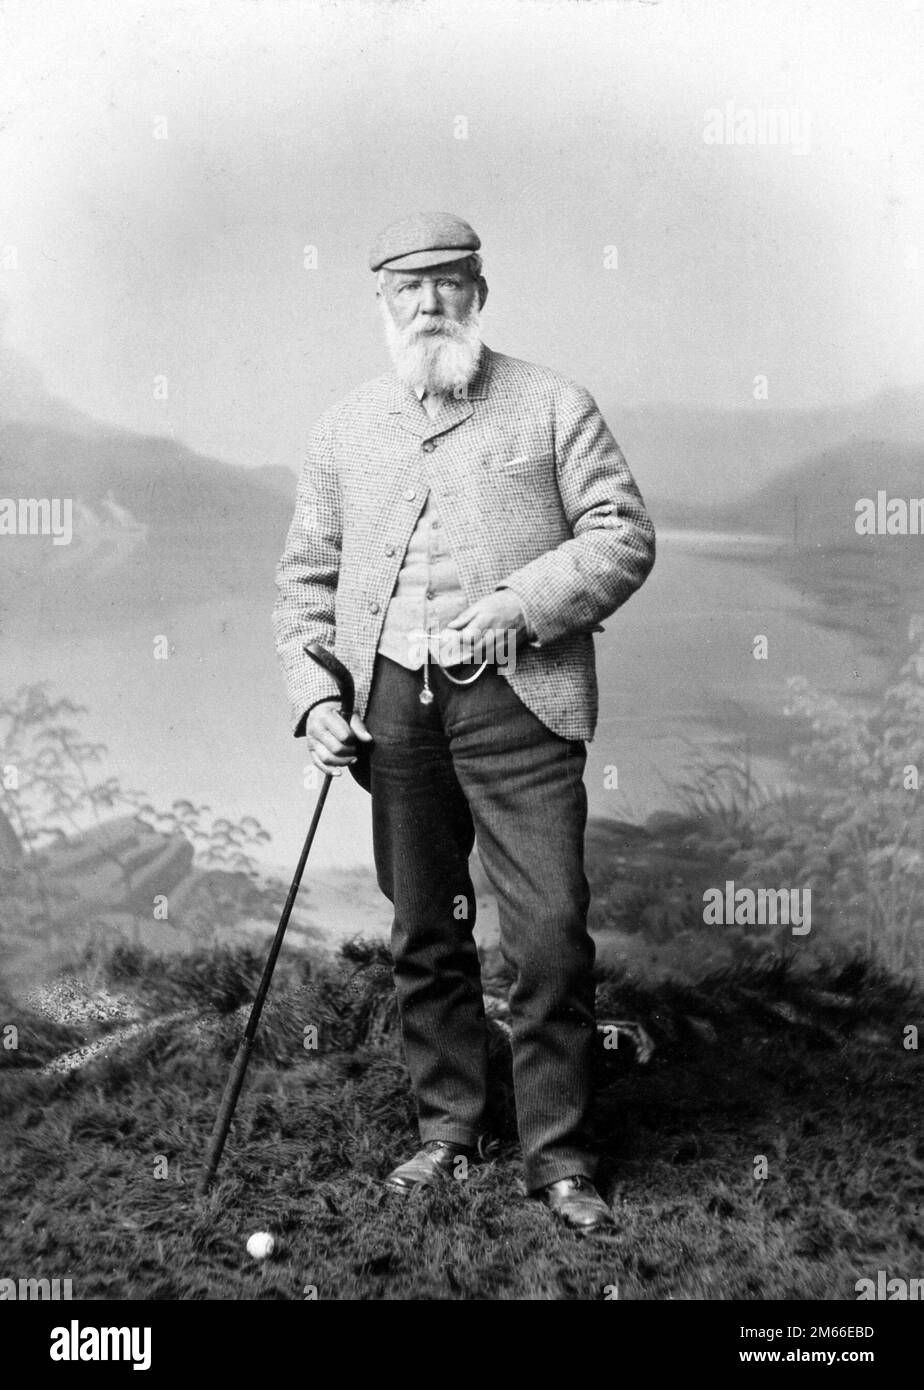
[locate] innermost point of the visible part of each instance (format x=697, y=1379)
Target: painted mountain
x=751, y=470
x=815, y=503
x=157, y=523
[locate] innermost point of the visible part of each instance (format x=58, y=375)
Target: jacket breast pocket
x=524, y=494
x=518, y=464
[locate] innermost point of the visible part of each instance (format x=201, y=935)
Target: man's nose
x=429, y=299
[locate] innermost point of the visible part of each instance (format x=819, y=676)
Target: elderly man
x=463, y=523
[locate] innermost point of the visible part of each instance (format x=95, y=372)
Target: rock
x=122, y=863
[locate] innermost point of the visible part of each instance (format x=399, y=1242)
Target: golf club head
x=338, y=672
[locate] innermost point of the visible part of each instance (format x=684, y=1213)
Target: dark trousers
x=477, y=762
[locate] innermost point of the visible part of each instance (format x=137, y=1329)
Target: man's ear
x=482, y=292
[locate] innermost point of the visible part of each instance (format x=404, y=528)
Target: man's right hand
x=331, y=741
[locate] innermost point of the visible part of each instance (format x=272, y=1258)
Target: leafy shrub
x=853, y=830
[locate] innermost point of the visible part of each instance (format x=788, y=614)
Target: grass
x=806, y=1069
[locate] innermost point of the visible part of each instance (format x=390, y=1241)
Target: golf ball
x=260, y=1245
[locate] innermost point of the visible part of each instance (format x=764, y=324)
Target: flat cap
x=427, y=238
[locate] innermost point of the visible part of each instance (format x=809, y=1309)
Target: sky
x=163, y=168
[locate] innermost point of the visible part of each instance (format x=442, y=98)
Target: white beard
x=438, y=363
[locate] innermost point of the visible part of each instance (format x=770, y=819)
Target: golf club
x=346, y=691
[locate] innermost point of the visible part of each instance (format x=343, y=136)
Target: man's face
x=419, y=301
x=431, y=321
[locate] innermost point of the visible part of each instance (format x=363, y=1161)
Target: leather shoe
x=434, y=1163
x=577, y=1203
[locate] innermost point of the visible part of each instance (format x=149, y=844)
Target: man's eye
x=408, y=285
x=449, y=284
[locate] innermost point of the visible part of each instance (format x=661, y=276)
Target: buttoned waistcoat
x=428, y=595
x=534, y=494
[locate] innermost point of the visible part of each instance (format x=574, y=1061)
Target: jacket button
x=389, y=550
x=373, y=607
x=410, y=494
x=428, y=446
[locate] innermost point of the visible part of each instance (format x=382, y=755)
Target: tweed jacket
x=534, y=494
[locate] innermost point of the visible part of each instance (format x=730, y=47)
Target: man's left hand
x=501, y=614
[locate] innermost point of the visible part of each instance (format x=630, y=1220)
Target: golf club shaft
x=344, y=683
x=242, y=1057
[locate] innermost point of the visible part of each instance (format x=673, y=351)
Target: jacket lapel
x=410, y=414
